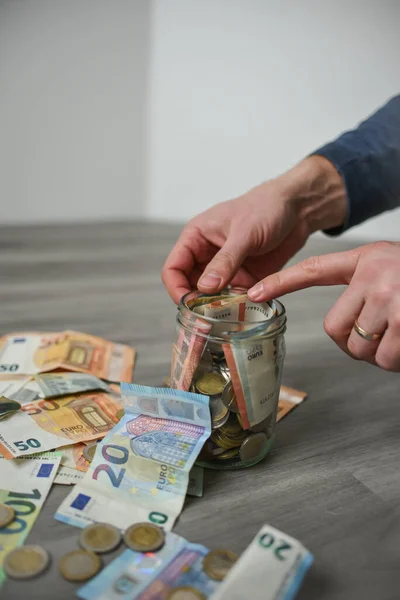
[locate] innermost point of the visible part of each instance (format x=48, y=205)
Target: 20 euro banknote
x=140, y=470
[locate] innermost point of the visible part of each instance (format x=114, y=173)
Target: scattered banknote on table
x=52, y=385
x=68, y=476
x=134, y=575
x=37, y=352
x=271, y=568
x=289, y=398
x=24, y=485
x=47, y=424
x=140, y=471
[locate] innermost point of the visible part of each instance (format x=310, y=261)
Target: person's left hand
x=372, y=298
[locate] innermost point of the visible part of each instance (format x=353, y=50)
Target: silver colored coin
x=252, y=447
x=229, y=398
x=89, y=451
x=26, y=562
x=7, y=515
x=264, y=426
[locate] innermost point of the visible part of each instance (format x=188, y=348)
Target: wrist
x=317, y=192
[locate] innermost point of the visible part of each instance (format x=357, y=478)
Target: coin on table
x=144, y=537
x=229, y=398
x=120, y=414
x=26, y=562
x=185, y=592
x=217, y=563
x=100, y=538
x=89, y=451
x=7, y=515
x=252, y=446
x=79, y=565
x=167, y=382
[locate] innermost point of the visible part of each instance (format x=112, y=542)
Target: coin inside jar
x=229, y=398
x=144, y=537
x=210, y=383
x=7, y=515
x=100, y=538
x=252, y=446
x=26, y=562
x=217, y=563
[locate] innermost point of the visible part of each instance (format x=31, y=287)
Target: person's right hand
x=241, y=241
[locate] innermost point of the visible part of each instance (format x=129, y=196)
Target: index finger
x=175, y=272
x=327, y=269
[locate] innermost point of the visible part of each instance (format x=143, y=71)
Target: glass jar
x=232, y=350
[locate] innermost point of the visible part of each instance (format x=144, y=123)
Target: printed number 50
x=31, y=443
x=116, y=479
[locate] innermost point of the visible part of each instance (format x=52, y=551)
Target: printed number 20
x=268, y=541
x=116, y=479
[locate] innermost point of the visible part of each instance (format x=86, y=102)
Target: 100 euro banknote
x=24, y=485
x=37, y=352
x=140, y=471
x=151, y=576
x=46, y=424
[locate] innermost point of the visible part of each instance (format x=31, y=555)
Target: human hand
x=240, y=241
x=372, y=298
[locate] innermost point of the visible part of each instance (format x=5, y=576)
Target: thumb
x=329, y=269
x=223, y=267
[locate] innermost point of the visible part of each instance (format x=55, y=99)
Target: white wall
x=240, y=91
x=72, y=109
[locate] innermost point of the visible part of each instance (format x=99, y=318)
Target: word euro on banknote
x=27, y=483
x=271, y=568
x=150, y=576
x=140, y=470
x=46, y=424
x=37, y=352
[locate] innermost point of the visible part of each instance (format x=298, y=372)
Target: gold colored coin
x=228, y=454
x=229, y=398
x=252, y=446
x=79, y=565
x=144, y=537
x=120, y=414
x=185, y=592
x=89, y=451
x=217, y=563
x=7, y=515
x=26, y=562
x=210, y=384
x=100, y=538
x=167, y=382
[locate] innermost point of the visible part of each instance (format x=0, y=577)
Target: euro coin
x=144, y=537
x=210, y=384
x=7, y=515
x=229, y=398
x=89, y=451
x=252, y=447
x=26, y=562
x=100, y=538
x=185, y=592
x=228, y=454
x=167, y=382
x=120, y=414
x=79, y=565
x=264, y=427
x=217, y=563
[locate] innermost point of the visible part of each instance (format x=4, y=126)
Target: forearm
x=368, y=161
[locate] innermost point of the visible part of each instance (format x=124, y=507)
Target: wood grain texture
x=332, y=479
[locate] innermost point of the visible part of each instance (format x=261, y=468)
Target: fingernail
x=210, y=280
x=256, y=291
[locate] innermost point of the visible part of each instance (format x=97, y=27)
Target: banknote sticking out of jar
x=232, y=350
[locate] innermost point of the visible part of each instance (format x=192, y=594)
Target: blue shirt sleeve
x=368, y=159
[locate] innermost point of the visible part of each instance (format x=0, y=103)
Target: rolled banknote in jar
x=232, y=350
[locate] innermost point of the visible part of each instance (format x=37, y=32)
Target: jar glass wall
x=232, y=350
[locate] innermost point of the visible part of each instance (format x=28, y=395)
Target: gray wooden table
x=332, y=479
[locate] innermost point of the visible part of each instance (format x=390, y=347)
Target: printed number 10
x=116, y=478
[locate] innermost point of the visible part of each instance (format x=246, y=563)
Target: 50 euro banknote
x=140, y=471
x=24, y=485
x=46, y=424
x=37, y=352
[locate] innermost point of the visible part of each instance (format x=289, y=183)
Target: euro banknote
x=72, y=457
x=27, y=483
x=152, y=576
x=52, y=385
x=187, y=352
x=271, y=568
x=11, y=386
x=46, y=424
x=289, y=398
x=67, y=476
x=140, y=470
x=37, y=352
